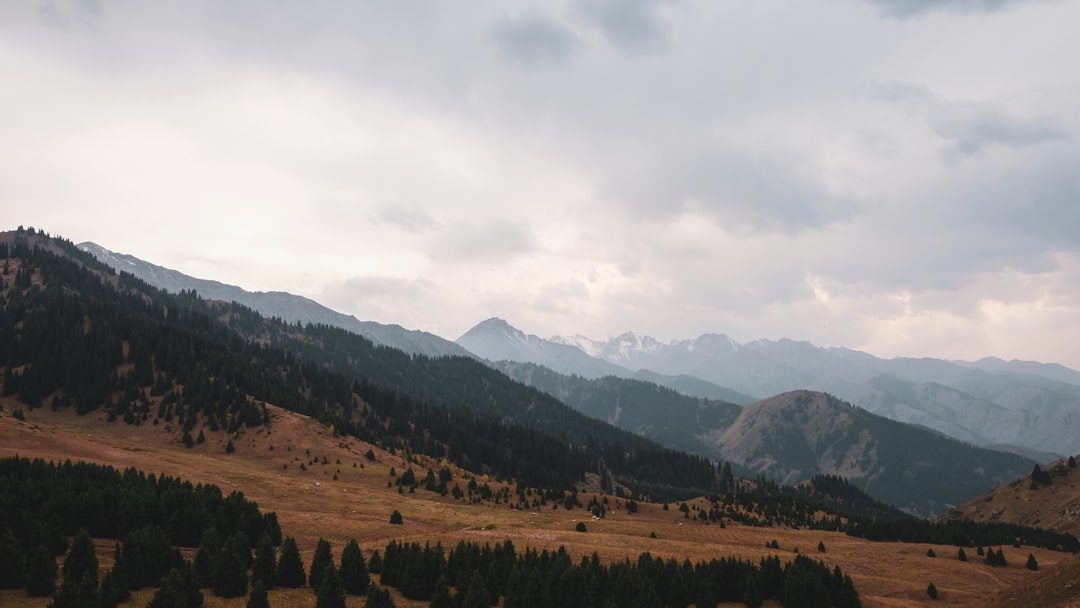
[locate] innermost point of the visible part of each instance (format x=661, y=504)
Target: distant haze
x=895, y=177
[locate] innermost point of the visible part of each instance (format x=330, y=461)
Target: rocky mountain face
x=285, y=306
x=793, y=436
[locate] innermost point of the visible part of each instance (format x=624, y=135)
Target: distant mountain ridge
x=496, y=340
x=285, y=306
x=1017, y=405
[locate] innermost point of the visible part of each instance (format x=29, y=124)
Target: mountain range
x=1026, y=407
x=686, y=413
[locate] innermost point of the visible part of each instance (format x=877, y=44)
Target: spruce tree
x=207, y=556
x=258, y=597
x=354, y=574
x=395, y=518
x=1032, y=563
x=441, y=597
x=751, y=595
x=113, y=590
x=12, y=563
x=378, y=598
x=265, y=564
x=171, y=594
x=230, y=577
x=931, y=590
x=331, y=593
x=319, y=562
x=960, y=555
x=82, y=560
x=290, y=568
x=41, y=574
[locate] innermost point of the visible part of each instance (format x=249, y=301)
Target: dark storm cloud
x=910, y=8
x=632, y=26
x=534, y=40
x=970, y=127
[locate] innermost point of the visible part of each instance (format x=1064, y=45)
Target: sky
x=896, y=176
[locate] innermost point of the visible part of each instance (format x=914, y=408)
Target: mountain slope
x=647, y=409
x=796, y=435
x=285, y=306
x=1052, y=502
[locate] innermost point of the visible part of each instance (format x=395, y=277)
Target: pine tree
x=960, y=555
x=331, y=593
x=1072, y=462
x=207, y=556
x=751, y=595
x=12, y=563
x=395, y=518
x=113, y=591
x=171, y=594
x=41, y=574
x=290, y=568
x=354, y=574
x=319, y=562
x=931, y=590
x=378, y=598
x=192, y=594
x=230, y=577
x=1032, y=563
x=264, y=566
x=81, y=561
x=930, y=553
x=258, y=597
x=441, y=597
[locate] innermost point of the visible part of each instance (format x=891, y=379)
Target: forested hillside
x=76, y=335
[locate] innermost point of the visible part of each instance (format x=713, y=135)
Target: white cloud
x=586, y=167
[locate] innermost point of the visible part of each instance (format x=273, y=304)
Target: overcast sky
x=896, y=176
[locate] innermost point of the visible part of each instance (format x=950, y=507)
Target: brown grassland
x=311, y=504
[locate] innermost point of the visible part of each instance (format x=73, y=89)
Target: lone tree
x=931, y=590
x=12, y=563
x=580, y=526
x=264, y=567
x=331, y=594
x=1072, y=462
x=821, y=546
x=930, y=553
x=290, y=568
x=395, y=518
x=1032, y=563
x=258, y=597
x=354, y=574
x=319, y=562
x=41, y=574
x=960, y=555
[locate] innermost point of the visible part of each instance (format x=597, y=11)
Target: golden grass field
x=311, y=504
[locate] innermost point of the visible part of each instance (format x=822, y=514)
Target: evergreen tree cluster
x=44, y=503
x=963, y=533
x=482, y=576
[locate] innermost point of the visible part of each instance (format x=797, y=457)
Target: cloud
x=911, y=8
x=632, y=26
x=970, y=127
x=534, y=40
x=753, y=192
x=494, y=241
x=409, y=217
